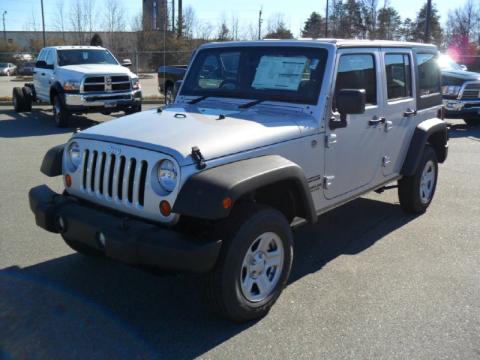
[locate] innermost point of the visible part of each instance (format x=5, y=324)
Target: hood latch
x=198, y=158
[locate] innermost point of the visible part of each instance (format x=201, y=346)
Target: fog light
x=68, y=180
x=165, y=208
x=101, y=239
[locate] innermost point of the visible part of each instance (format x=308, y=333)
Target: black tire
x=82, y=248
x=28, y=98
x=133, y=109
x=18, y=100
x=60, y=113
x=472, y=122
x=168, y=94
x=413, y=197
x=241, y=233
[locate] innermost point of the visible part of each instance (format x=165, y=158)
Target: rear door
x=353, y=154
x=399, y=107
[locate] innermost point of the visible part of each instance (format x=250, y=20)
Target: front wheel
x=169, y=94
x=60, y=113
x=416, y=192
x=254, y=264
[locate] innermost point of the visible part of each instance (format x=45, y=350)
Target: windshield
x=3, y=65
x=445, y=62
x=291, y=74
x=85, y=56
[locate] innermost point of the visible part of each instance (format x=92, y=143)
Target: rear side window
x=399, y=76
x=357, y=71
x=428, y=73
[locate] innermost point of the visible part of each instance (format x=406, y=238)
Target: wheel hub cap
x=262, y=267
x=427, y=182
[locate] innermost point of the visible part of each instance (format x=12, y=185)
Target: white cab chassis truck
x=79, y=80
x=262, y=136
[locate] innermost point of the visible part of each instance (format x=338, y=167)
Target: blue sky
x=295, y=12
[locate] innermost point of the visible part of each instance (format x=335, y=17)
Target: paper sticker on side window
x=279, y=72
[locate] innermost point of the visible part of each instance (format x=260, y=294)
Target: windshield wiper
x=200, y=98
x=250, y=104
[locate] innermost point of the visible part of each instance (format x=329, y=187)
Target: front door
x=400, y=107
x=353, y=154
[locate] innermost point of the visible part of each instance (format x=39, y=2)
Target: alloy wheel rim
x=262, y=267
x=427, y=182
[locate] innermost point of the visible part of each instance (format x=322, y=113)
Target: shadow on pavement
x=77, y=307
x=461, y=130
x=37, y=123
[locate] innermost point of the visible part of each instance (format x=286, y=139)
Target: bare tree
x=204, y=30
x=114, y=22
x=77, y=20
x=190, y=22
x=463, y=25
x=59, y=22
x=369, y=8
x=234, y=27
x=90, y=16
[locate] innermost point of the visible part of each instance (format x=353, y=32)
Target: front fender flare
x=202, y=194
x=52, y=161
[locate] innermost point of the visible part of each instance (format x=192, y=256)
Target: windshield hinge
x=198, y=158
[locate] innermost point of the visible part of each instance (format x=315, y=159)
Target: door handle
x=388, y=125
x=377, y=120
x=410, y=113
x=43, y=74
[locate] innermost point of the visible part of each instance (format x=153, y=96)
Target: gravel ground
x=368, y=280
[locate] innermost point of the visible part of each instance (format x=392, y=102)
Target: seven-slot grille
x=114, y=177
x=106, y=83
x=471, y=91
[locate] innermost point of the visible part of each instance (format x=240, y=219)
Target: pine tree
x=436, y=32
x=388, y=24
x=314, y=26
x=96, y=40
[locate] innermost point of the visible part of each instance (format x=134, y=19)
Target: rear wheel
x=416, y=192
x=168, y=94
x=60, y=113
x=254, y=263
x=18, y=99
x=28, y=98
x=472, y=122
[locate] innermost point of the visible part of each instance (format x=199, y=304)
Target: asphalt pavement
x=368, y=281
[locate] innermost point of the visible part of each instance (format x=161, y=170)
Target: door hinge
x=330, y=139
x=328, y=181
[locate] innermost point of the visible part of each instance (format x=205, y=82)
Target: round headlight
x=74, y=155
x=167, y=175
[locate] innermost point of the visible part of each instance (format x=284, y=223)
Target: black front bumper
x=127, y=240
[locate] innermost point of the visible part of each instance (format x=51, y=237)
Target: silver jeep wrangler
x=262, y=136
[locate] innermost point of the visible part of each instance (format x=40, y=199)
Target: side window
x=429, y=74
x=50, y=57
x=357, y=71
x=41, y=56
x=399, y=76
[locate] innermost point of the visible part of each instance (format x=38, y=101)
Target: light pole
x=43, y=25
x=428, y=15
x=326, y=20
x=4, y=29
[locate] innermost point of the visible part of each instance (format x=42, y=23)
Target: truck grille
x=106, y=83
x=114, y=178
x=471, y=91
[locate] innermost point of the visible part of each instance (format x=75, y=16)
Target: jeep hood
x=464, y=75
x=177, y=129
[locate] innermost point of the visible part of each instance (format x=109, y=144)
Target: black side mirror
x=348, y=101
x=126, y=62
x=41, y=64
x=176, y=87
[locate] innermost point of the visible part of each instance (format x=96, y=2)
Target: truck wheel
x=60, y=113
x=28, y=98
x=168, y=94
x=18, y=100
x=416, y=192
x=82, y=248
x=254, y=263
x=472, y=122
x=133, y=109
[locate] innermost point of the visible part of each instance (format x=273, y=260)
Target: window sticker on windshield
x=85, y=55
x=279, y=72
